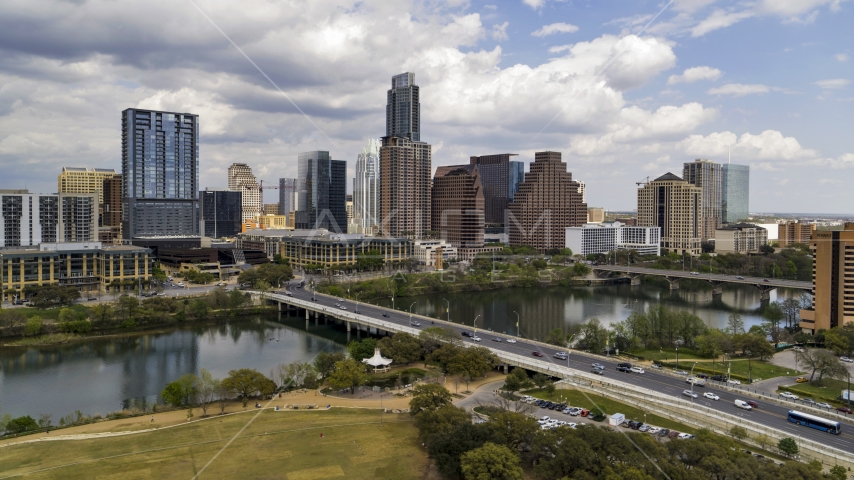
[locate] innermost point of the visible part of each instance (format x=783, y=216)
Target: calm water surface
x=100, y=376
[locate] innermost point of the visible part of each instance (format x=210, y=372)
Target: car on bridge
x=695, y=273
x=738, y=277
x=624, y=369
x=510, y=340
x=385, y=315
x=496, y=339
x=415, y=324
x=598, y=371
x=536, y=353
x=598, y=365
x=689, y=393
x=475, y=339
x=637, y=370
x=711, y=396
x=561, y=355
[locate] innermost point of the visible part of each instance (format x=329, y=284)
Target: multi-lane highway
x=769, y=413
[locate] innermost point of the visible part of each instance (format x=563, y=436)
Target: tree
x=838, y=472
x=222, y=395
x=734, y=324
x=45, y=420
x=54, y=295
x=580, y=269
x=491, y=462
x=429, y=396
x=271, y=273
x=822, y=362
x=473, y=362
x=517, y=380
x=12, y=320
x=756, y=346
x=432, y=338
x=247, y=382
x=444, y=355
x=788, y=446
x=205, y=390
x=325, y=362
x=556, y=337
x=440, y=421
x=763, y=440
x=791, y=308
x=33, y=326
x=400, y=347
x=841, y=340
x=766, y=249
x=738, y=433
x=21, y=424
x=595, y=336
x=361, y=350
x=773, y=315
x=181, y=392
x=236, y=300
x=199, y=309
x=541, y=380
x=348, y=373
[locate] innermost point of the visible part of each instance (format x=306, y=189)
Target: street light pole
x=517, y=323
x=692, y=380
x=474, y=323
x=677, y=358
x=410, y=312
x=448, y=309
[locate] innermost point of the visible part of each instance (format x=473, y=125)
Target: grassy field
x=586, y=400
x=758, y=370
x=276, y=445
x=829, y=390
x=51, y=314
x=668, y=354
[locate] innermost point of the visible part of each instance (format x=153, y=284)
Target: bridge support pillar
x=636, y=279
x=718, y=290
x=674, y=282
x=348, y=327
x=306, y=323
x=506, y=368
x=765, y=295
x=307, y=313
x=280, y=307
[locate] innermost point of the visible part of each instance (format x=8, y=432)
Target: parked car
x=801, y=380
x=733, y=381
x=823, y=405
x=789, y=396
x=684, y=436
x=711, y=396
x=846, y=359
x=702, y=375
x=689, y=393
x=844, y=410
x=653, y=430
x=680, y=372
x=673, y=434
x=92, y=298
x=719, y=378
x=584, y=412
x=664, y=432
x=536, y=353
x=808, y=401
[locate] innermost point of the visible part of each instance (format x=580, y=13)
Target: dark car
x=598, y=371
x=719, y=378
x=356, y=311
x=92, y=298
x=536, y=354
x=752, y=403
x=552, y=406
x=664, y=432
x=385, y=315
x=843, y=410
x=624, y=369
x=673, y=434
x=702, y=375
x=625, y=364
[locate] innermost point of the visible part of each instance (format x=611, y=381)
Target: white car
x=695, y=273
x=510, y=340
x=790, y=396
x=653, y=430
x=689, y=393
x=637, y=370
x=475, y=339
x=343, y=307
x=733, y=382
x=180, y=284
x=823, y=405
x=543, y=420
x=711, y=396
x=846, y=359
x=684, y=436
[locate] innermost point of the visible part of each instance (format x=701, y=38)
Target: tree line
x=511, y=446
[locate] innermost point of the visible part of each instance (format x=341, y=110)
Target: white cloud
x=490, y=7
x=739, y=90
x=842, y=57
x=554, y=28
x=535, y=4
x=791, y=11
x=499, y=32
x=560, y=48
x=719, y=19
x=794, y=8
x=768, y=145
x=834, y=83
x=694, y=74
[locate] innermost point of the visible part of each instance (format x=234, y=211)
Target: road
x=769, y=414
x=768, y=282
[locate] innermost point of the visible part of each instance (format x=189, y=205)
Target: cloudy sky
x=624, y=89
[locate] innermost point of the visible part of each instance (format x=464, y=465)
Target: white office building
x=594, y=238
x=425, y=251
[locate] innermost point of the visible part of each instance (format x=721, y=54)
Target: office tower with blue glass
x=321, y=192
x=221, y=213
x=501, y=178
x=160, y=169
x=735, y=192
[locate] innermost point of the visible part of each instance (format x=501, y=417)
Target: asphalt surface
x=769, y=414
x=770, y=282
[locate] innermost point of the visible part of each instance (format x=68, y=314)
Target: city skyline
x=677, y=90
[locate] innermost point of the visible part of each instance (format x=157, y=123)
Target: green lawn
x=275, y=445
x=586, y=400
x=828, y=391
x=51, y=313
x=738, y=368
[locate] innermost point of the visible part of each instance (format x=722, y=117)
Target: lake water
x=101, y=375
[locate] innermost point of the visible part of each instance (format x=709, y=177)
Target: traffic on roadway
x=765, y=412
x=771, y=282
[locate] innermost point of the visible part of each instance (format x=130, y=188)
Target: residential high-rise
x=595, y=214
x=241, y=179
x=501, y=178
x=545, y=204
x=672, y=204
x=582, y=189
x=735, y=192
x=405, y=164
x=85, y=180
x=287, y=196
x=322, y=186
x=403, y=109
x=366, y=188
x=222, y=213
x=271, y=209
x=832, y=281
x=348, y=207
x=29, y=219
x=707, y=176
x=405, y=169
x=592, y=238
x=740, y=238
x=160, y=169
x=793, y=231
x=112, y=210
x=457, y=202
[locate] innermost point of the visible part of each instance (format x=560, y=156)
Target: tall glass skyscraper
x=366, y=188
x=221, y=213
x=160, y=168
x=501, y=178
x=706, y=175
x=735, y=192
x=321, y=192
x=287, y=195
x=403, y=109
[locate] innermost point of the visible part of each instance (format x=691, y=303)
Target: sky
x=624, y=89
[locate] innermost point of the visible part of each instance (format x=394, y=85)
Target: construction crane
x=643, y=182
x=261, y=188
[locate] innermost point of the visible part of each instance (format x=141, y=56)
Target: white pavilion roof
x=377, y=360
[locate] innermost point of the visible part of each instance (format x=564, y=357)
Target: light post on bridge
x=448, y=309
x=677, y=358
x=517, y=323
x=410, y=313
x=474, y=324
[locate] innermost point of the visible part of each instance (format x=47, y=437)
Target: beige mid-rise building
x=793, y=231
x=84, y=180
x=706, y=175
x=740, y=238
x=595, y=215
x=241, y=179
x=672, y=204
x=832, y=280
x=405, y=168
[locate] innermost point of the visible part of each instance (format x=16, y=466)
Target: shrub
x=76, y=326
x=33, y=327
